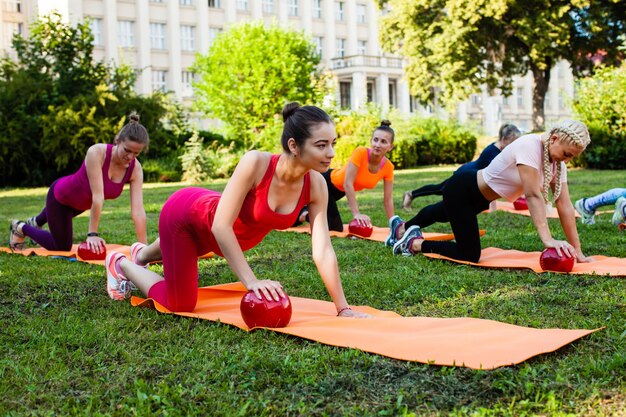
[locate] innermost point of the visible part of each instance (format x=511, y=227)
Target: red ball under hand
x=550, y=260
x=265, y=313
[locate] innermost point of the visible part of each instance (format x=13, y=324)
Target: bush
x=433, y=141
x=601, y=104
x=164, y=169
x=418, y=141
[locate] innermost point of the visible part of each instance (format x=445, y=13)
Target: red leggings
x=181, y=245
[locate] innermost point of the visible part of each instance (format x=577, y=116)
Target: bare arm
x=568, y=222
x=348, y=186
x=537, y=207
x=388, y=198
x=137, y=211
x=248, y=172
x=323, y=252
x=93, y=163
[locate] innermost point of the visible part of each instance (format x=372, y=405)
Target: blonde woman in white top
x=530, y=166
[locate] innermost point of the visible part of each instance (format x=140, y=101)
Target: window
x=187, y=80
x=339, y=11
x=344, y=94
x=317, y=9
x=13, y=28
x=156, y=1
x=96, y=30
x=242, y=5
x=520, y=96
x=370, y=91
x=506, y=101
x=187, y=39
x=319, y=44
x=185, y=2
x=14, y=6
x=157, y=35
x=159, y=80
x=268, y=6
x=475, y=99
x=361, y=13
x=341, y=47
x=126, y=33
x=392, y=93
x=361, y=47
x=546, y=101
x=293, y=7
x=215, y=4
x=213, y=32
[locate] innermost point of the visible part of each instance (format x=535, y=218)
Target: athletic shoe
x=588, y=217
x=33, y=222
x=16, y=238
x=619, y=215
x=406, y=201
x=394, y=223
x=404, y=245
x=118, y=287
x=134, y=252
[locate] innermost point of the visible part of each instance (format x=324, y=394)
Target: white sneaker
x=619, y=215
x=587, y=217
x=118, y=287
x=135, y=248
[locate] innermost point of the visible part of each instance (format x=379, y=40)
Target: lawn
x=69, y=350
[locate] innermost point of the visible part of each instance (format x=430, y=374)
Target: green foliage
x=55, y=102
x=418, y=141
x=601, y=103
x=69, y=350
x=194, y=161
x=455, y=46
x=251, y=72
x=163, y=169
x=434, y=141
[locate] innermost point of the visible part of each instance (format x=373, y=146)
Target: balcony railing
x=366, y=61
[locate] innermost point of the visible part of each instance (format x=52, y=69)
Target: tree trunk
x=542, y=81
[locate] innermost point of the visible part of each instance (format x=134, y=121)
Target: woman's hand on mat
x=581, y=258
x=348, y=312
x=562, y=247
x=95, y=244
x=363, y=220
x=267, y=288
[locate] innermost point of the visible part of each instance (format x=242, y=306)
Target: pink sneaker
x=118, y=287
x=134, y=252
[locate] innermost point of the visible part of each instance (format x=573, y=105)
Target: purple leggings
x=59, y=218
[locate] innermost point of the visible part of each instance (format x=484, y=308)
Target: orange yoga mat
x=515, y=259
x=379, y=234
x=468, y=342
x=71, y=254
x=553, y=214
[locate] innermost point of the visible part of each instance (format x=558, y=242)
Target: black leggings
x=332, y=211
x=462, y=201
x=430, y=189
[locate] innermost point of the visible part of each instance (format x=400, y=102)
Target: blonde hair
x=570, y=132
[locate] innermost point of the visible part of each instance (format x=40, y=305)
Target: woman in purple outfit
x=102, y=176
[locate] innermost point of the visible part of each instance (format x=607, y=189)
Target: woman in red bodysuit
x=265, y=192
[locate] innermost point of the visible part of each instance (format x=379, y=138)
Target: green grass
x=67, y=349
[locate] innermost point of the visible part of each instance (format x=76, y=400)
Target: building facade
x=161, y=37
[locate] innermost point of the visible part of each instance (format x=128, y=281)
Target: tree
x=249, y=74
x=601, y=104
x=55, y=102
x=459, y=45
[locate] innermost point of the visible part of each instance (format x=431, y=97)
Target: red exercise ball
x=520, y=204
x=354, y=228
x=85, y=254
x=551, y=261
x=265, y=313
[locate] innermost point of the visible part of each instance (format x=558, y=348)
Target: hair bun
x=134, y=117
x=290, y=109
x=385, y=122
